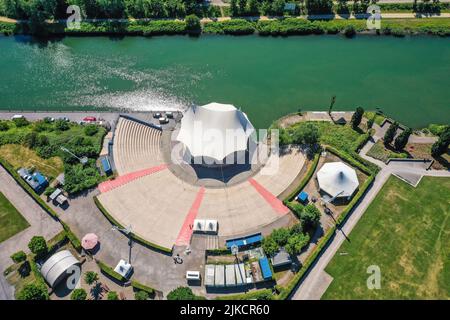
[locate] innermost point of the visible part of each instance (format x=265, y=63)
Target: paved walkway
x=40, y=224
x=313, y=285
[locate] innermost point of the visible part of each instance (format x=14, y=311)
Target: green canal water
x=409, y=78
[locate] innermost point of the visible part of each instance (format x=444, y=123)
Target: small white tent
x=337, y=179
x=214, y=131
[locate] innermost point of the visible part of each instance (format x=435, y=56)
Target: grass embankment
x=20, y=156
x=405, y=231
x=11, y=221
x=240, y=26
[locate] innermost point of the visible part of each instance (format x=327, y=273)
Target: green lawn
x=378, y=151
x=406, y=232
x=11, y=221
x=341, y=137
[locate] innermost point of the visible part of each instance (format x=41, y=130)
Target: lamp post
x=128, y=230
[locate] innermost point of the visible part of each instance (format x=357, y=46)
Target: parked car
x=17, y=116
x=64, y=118
x=163, y=120
x=89, y=119
x=169, y=114
x=157, y=115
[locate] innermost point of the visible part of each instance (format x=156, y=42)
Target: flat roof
x=265, y=268
x=219, y=277
x=209, y=274
x=230, y=275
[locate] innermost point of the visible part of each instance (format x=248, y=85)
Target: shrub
x=19, y=256
x=112, y=295
x=193, y=24
x=38, y=246
x=33, y=291
x=140, y=287
x=280, y=236
x=90, y=129
x=4, y=126
x=269, y=246
x=61, y=125
x=78, y=294
x=349, y=31
x=141, y=295
x=90, y=277
x=49, y=190
x=181, y=293
x=21, y=122
x=296, y=243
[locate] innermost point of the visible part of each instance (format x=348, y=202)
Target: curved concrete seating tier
x=159, y=204
x=136, y=147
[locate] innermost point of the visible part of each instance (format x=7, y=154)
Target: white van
x=17, y=116
x=192, y=275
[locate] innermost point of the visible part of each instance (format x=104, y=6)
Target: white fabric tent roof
x=54, y=269
x=214, y=130
x=337, y=178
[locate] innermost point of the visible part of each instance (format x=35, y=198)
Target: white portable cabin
x=192, y=275
x=209, y=275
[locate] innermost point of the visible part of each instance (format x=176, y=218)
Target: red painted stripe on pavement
x=184, y=237
x=122, y=180
x=273, y=201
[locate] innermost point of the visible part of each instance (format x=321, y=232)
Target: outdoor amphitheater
x=159, y=193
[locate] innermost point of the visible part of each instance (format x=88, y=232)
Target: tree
x=357, y=117
x=280, y=236
x=234, y=10
x=33, y=291
x=19, y=256
x=319, y=6
x=402, y=139
x=441, y=146
x=90, y=129
x=141, y=295
x=278, y=7
x=310, y=216
x=61, y=125
x=349, y=31
x=296, y=243
x=21, y=122
x=193, y=24
x=253, y=7
x=181, y=293
x=390, y=133
x=4, y=126
x=91, y=277
x=78, y=294
x=370, y=122
x=242, y=4
x=30, y=140
x=269, y=246
x=333, y=101
x=306, y=134
x=38, y=246
x=112, y=295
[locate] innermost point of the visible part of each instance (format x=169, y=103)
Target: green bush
x=232, y=27
x=107, y=270
x=78, y=294
x=4, y=125
x=140, y=287
x=112, y=295
x=33, y=291
x=262, y=294
x=193, y=24
x=141, y=295
x=38, y=246
x=90, y=130
x=19, y=256
x=61, y=125
x=349, y=31
x=21, y=122
x=91, y=277
x=181, y=293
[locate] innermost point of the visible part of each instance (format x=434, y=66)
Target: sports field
x=406, y=232
x=11, y=221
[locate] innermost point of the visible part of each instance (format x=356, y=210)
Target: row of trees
x=40, y=10
x=441, y=146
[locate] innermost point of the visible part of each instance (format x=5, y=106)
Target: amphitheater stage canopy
x=215, y=131
x=337, y=179
x=56, y=267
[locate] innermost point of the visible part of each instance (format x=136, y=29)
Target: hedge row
x=107, y=270
x=263, y=294
x=354, y=162
x=133, y=236
x=234, y=27
x=76, y=243
x=305, y=179
x=355, y=199
x=141, y=287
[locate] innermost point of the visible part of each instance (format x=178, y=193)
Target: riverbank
x=397, y=26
